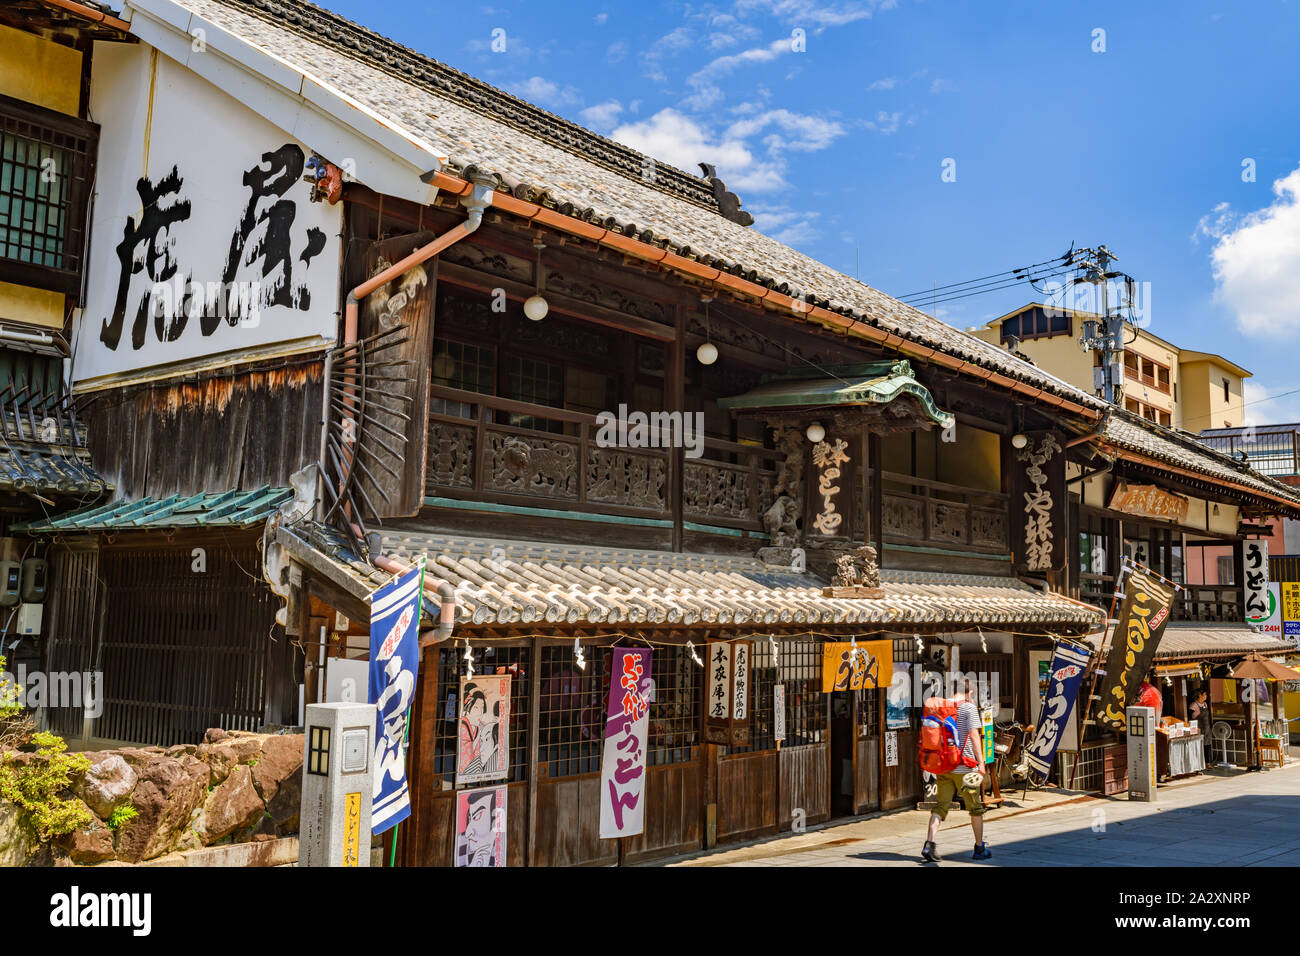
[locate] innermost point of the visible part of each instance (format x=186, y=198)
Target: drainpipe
x=476, y=200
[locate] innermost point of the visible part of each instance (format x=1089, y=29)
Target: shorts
x=950, y=785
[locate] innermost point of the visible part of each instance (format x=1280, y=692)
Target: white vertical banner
x=1254, y=565
x=719, y=680
x=740, y=683
x=778, y=712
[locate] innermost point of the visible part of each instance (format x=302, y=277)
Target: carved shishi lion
x=857, y=568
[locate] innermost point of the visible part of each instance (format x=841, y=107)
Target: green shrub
x=37, y=788
x=9, y=691
x=122, y=816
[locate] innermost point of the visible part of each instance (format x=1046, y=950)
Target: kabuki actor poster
x=483, y=737
x=394, y=660
x=481, y=827
x=1064, y=679
x=627, y=723
x=1142, y=620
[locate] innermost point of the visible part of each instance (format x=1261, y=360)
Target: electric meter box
x=32, y=586
x=11, y=575
x=30, y=617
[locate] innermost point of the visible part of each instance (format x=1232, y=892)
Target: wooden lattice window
x=514, y=661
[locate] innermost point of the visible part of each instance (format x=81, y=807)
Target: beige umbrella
x=1254, y=667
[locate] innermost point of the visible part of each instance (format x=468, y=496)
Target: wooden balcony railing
x=920, y=511
x=1209, y=602
x=556, y=462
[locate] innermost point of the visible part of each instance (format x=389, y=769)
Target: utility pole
x=1106, y=333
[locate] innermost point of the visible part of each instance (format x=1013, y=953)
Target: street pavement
x=1243, y=819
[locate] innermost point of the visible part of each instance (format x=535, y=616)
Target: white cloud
x=884, y=83
x=885, y=123
x=791, y=226
x=599, y=19
x=1256, y=264
x=1216, y=223
x=616, y=51
x=602, y=115
x=684, y=142
x=1259, y=409
x=813, y=13
x=703, y=81
x=940, y=85
x=680, y=141
x=542, y=91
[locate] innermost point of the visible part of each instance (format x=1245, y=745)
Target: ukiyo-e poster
x=627, y=724
x=483, y=734
x=481, y=827
x=213, y=244
x=898, y=701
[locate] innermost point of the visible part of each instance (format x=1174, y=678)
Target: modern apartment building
x=1174, y=387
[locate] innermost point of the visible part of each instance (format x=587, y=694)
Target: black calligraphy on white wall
x=262, y=240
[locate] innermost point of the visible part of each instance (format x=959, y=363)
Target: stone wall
x=235, y=787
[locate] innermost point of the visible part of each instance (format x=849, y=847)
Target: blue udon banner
x=394, y=659
x=1068, y=664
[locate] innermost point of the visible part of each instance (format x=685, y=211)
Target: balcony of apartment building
x=1148, y=388
x=1272, y=450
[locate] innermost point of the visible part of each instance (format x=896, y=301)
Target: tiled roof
x=237, y=509
x=518, y=582
x=1128, y=431
x=1210, y=641
x=567, y=174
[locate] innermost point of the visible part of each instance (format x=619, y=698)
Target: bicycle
x=1011, y=747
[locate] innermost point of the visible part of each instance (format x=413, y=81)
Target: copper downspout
x=642, y=250
x=476, y=199
x=89, y=13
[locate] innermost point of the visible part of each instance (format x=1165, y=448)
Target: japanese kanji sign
x=1039, y=504
x=1142, y=619
x=726, y=715
x=1064, y=678
x=1254, y=563
x=627, y=726
x=1148, y=501
x=871, y=666
x=778, y=713
x=830, y=459
x=212, y=243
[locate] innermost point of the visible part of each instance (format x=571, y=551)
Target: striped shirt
x=968, y=719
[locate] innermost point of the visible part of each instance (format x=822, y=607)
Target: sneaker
x=982, y=851
x=929, y=854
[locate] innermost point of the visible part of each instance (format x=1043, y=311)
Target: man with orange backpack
x=952, y=748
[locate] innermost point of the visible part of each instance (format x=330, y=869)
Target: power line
x=1009, y=272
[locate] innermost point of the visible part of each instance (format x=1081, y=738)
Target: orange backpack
x=941, y=743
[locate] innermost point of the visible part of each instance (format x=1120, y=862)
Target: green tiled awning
x=875, y=383
x=228, y=509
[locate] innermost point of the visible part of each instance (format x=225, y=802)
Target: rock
x=281, y=758
x=179, y=749
x=232, y=805
x=15, y=841
x=215, y=735
x=165, y=797
x=227, y=754
x=92, y=845
x=106, y=785
x=285, y=807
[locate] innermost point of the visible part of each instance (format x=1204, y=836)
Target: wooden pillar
x=675, y=399
x=534, y=744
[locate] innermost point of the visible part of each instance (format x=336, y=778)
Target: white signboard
x=778, y=712
x=719, y=703
x=740, y=700
x=206, y=241
x=1254, y=565
x=891, y=748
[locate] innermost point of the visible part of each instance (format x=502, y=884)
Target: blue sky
x=838, y=148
